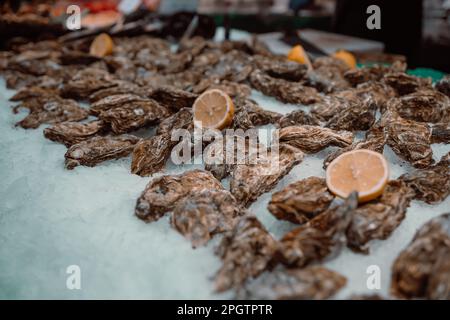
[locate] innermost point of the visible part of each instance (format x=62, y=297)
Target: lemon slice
x=101, y=46
x=298, y=54
x=364, y=171
x=213, y=109
x=347, y=57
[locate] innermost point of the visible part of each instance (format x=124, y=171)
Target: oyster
x=410, y=140
x=418, y=266
x=320, y=238
x=356, y=116
x=249, y=115
x=328, y=107
x=378, y=218
x=87, y=81
x=233, y=89
x=202, y=215
x=133, y=115
x=327, y=75
x=372, y=73
x=431, y=185
x=162, y=194
x=310, y=283
x=246, y=252
x=173, y=98
x=179, y=120
x=114, y=101
x=298, y=118
x=301, y=201
x=27, y=93
x=120, y=87
x=249, y=181
x=150, y=155
x=404, y=83
x=312, y=139
x=51, y=110
x=425, y=106
x=99, y=149
x=375, y=140
x=223, y=157
x=280, y=68
x=17, y=80
x=283, y=90
x=233, y=66
x=34, y=62
x=70, y=133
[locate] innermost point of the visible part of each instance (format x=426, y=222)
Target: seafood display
x=138, y=99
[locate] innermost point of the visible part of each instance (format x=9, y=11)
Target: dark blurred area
x=401, y=24
x=402, y=28
x=416, y=29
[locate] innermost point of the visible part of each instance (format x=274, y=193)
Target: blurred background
x=417, y=30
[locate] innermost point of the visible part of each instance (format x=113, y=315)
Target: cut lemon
x=213, y=109
x=299, y=55
x=347, y=57
x=364, y=171
x=102, y=45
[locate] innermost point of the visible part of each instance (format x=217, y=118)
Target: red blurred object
x=100, y=13
x=101, y=19
x=59, y=8
x=99, y=6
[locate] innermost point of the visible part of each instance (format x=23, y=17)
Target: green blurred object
x=435, y=75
